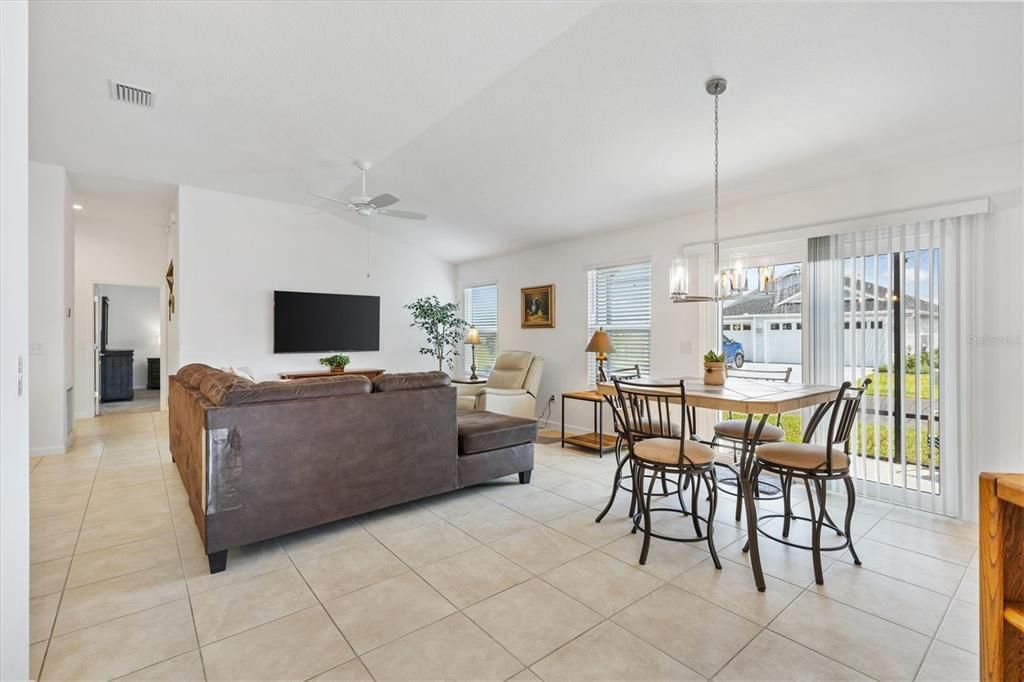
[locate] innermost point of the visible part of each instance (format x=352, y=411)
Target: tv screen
x=319, y=323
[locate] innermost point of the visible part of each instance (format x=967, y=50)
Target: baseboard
x=43, y=452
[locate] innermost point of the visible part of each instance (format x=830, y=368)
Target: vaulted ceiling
x=518, y=123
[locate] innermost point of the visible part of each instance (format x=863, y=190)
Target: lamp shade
x=600, y=342
x=473, y=336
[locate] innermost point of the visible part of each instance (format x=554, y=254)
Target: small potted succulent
x=714, y=368
x=337, y=363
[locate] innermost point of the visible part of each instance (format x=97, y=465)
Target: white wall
x=107, y=252
x=677, y=330
x=51, y=255
x=134, y=324
x=235, y=251
x=14, y=428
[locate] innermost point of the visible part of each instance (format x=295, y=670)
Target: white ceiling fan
x=367, y=205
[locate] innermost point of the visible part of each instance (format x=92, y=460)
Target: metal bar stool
x=816, y=464
x=730, y=431
x=658, y=449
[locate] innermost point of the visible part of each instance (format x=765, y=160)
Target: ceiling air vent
x=122, y=92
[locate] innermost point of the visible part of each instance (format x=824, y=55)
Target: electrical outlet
x=36, y=349
x=551, y=399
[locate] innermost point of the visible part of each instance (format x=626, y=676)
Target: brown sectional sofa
x=262, y=459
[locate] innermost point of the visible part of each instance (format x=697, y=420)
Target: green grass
x=915, y=444
x=880, y=385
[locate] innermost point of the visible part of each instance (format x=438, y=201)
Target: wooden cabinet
x=153, y=373
x=1001, y=525
x=116, y=375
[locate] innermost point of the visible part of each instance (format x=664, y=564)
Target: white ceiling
x=520, y=123
x=127, y=202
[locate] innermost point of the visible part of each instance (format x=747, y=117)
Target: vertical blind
x=619, y=299
x=480, y=307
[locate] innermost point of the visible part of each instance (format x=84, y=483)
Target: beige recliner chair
x=511, y=387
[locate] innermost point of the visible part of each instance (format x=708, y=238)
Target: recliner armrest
x=471, y=390
x=504, y=391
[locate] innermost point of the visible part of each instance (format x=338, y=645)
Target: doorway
x=127, y=342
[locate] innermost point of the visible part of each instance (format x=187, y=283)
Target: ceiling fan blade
x=382, y=200
x=324, y=196
x=411, y=215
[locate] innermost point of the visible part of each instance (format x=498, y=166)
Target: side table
x=596, y=440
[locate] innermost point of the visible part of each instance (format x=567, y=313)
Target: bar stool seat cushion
x=805, y=456
x=666, y=451
x=734, y=429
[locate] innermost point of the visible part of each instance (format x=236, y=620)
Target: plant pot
x=337, y=370
x=714, y=373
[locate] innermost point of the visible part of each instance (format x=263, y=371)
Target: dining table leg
x=747, y=490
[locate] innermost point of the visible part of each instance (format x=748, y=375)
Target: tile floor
x=503, y=581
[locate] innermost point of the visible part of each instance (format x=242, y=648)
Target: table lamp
x=473, y=339
x=601, y=344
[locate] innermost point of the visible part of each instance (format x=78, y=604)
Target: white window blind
x=619, y=299
x=480, y=305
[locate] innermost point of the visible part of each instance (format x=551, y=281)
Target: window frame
x=593, y=321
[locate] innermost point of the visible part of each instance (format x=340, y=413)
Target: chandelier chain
x=716, y=168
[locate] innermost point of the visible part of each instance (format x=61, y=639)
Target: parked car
x=733, y=350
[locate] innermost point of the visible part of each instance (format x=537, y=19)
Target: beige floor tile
x=492, y=523
x=894, y=600
x=128, y=477
x=960, y=626
x=938, y=545
x=733, y=589
x=457, y=503
x=608, y=652
x=395, y=519
x=342, y=572
x=935, y=522
x=52, y=546
x=543, y=506
x=503, y=490
x=380, y=613
x=586, y=492
x=226, y=611
x=532, y=619
x=581, y=526
x=325, y=539
x=36, y=652
x=65, y=489
x=294, y=647
x=469, y=654
x=108, y=599
x=42, y=611
x=945, y=662
x=473, y=575
x=604, y=584
x=546, y=478
x=524, y=675
x=56, y=524
x=794, y=565
x=247, y=561
x=771, y=657
x=925, y=571
x=699, y=634
x=111, y=562
x=970, y=587
x=126, y=530
x=59, y=505
x=48, y=577
x=353, y=671
x=184, y=668
x=429, y=543
x=121, y=646
x=539, y=549
x=859, y=640
x=670, y=559
x=143, y=491
x=99, y=515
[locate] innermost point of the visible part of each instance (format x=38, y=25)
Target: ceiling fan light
x=364, y=211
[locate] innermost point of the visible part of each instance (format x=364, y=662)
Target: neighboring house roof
x=786, y=299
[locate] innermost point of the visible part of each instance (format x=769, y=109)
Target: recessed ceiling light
x=77, y=207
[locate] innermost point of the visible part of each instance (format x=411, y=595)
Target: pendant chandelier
x=679, y=276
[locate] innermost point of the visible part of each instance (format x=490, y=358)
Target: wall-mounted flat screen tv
x=320, y=323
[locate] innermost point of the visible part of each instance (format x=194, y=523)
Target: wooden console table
x=368, y=373
x=1001, y=521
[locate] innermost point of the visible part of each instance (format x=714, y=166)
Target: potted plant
x=714, y=368
x=337, y=363
x=444, y=328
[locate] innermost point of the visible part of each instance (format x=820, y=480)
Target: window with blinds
x=619, y=299
x=480, y=308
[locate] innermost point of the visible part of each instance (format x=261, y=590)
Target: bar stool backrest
x=844, y=409
x=642, y=415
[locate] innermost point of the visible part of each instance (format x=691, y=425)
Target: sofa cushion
x=223, y=389
x=193, y=374
x=408, y=381
x=481, y=431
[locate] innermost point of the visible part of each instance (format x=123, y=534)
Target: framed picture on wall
x=538, y=307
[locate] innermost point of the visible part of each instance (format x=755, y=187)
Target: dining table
x=758, y=400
